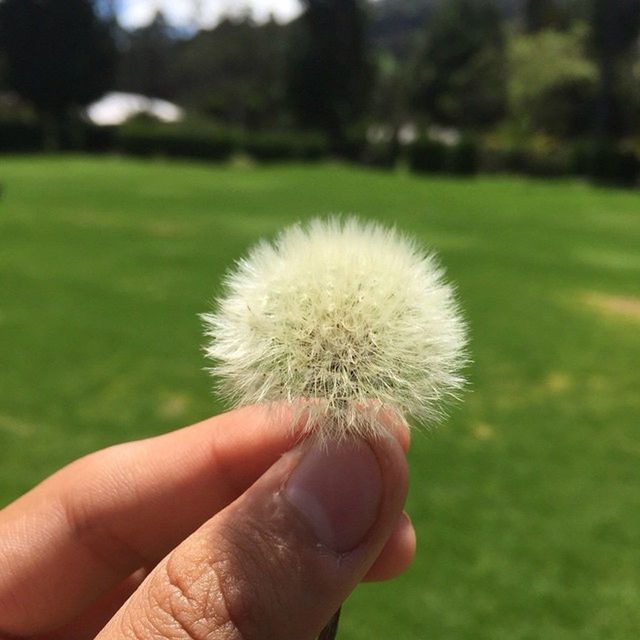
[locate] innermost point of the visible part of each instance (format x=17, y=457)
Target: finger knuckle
x=225, y=590
x=255, y=564
x=92, y=512
x=89, y=526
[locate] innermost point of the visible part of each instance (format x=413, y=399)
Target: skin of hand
x=230, y=529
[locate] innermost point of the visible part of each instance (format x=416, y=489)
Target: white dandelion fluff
x=340, y=319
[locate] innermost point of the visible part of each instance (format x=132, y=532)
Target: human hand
x=228, y=529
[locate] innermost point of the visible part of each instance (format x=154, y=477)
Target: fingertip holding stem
x=338, y=490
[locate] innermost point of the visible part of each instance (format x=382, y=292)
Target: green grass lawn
x=527, y=502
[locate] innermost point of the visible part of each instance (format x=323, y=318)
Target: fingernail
x=338, y=490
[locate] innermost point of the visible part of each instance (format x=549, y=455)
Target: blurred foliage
x=201, y=141
x=147, y=58
x=270, y=146
x=234, y=73
x=552, y=83
x=3, y=71
x=460, y=77
x=58, y=56
x=615, y=25
x=21, y=135
x=464, y=157
x=428, y=155
x=26, y=134
x=606, y=163
x=538, y=156
x=395, y=25
x=204, y=140
x=330, y=70
x=544, y=14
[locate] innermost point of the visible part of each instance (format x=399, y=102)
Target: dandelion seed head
x=342, y=320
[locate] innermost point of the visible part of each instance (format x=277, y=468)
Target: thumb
x=280, y=560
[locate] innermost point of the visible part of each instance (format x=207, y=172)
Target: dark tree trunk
x=604, y=112
x=52, y=128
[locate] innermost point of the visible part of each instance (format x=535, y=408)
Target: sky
x=203, y=13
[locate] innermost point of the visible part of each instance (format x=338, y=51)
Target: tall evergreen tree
x=59, y=56
x=234, y=73
x=541, y=14
x=615, y=25
x=461, y=78
x=146, y=58
x=330, y=72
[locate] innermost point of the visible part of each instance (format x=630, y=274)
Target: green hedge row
x=599, y=160
x=200, y=141
x=606, y=163
x=269, y=147
x=28, y=136
x=175, y=141
x=432, y=156
x=205, y=142
x=21, y=136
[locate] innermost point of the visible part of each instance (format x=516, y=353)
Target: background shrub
x=352, y=146
x=282, y=146
x=428, y=156
x=606, y=163
x=533, y=157
x=464, y=157
x=188, y=140
x=97, y=139
x=20, y=136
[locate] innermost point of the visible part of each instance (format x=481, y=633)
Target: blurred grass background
x=527, y=503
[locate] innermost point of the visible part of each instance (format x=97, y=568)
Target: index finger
x=89, y=526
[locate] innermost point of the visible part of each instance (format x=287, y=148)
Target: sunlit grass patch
x=627, y=307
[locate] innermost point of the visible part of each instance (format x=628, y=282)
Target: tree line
x=499, y=69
